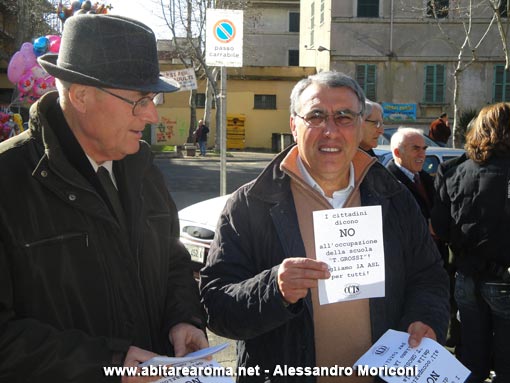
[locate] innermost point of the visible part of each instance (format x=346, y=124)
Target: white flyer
x=199, y=371
x=396, y=362
x=200, y=354
x=192, y=368
x=350, y=241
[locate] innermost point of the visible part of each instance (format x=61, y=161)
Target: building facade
x=406, y=52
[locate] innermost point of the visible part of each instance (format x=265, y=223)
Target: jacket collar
x=273, y=184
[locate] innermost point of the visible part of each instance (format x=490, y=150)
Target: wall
x=400, y=47
x=242, y=85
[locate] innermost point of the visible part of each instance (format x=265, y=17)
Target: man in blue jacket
x=259, y=285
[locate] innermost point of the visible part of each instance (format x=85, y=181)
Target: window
x=312, y=22
x=501, y=84
x=368, y=8
x=200, y=100
x=321, y=17
x=264, y=101
x=435, y=84
x=294, y=22
x=293, y=57
x=366, y=77
x=503, y=8
x=438, y=8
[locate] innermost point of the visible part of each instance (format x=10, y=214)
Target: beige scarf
x=342, y=330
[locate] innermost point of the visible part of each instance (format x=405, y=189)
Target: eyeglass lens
x=342, y=118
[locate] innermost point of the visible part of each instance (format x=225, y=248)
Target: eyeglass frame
x=326, y=116
x=378, y=124
x=134, y=104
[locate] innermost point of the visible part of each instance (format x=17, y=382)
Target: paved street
x=194, y=179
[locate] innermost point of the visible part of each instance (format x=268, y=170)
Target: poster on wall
x=399, y=112
x=185, y=77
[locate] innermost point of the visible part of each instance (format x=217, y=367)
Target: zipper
x=57, y=239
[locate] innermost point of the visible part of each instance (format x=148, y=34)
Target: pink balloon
x=26, y=47
x=26, y=83
x=41, y=86
x=30, y=59
x=16, y=67
x=54, y=45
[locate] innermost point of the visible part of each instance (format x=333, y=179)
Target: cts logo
x=351, y=289
x=381, y=350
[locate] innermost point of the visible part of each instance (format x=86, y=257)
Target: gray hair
x=330, y=79
x=369, y=106
x=401, y=134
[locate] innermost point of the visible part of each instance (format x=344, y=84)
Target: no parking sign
x=224, y=38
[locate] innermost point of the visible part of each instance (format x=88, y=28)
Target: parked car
x=435, y=155
x=385, y=138
x=198, y=221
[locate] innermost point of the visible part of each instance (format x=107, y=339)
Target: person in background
x=472, y=213
x=201, y=137
x=92, y=272
x=409, y=153
x=439, y=130
x=259, y=284
x=373, y=127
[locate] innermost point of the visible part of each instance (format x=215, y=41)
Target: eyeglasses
x=139, y=106
x=341, y=118
x=378, y=124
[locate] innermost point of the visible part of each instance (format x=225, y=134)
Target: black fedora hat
x=108, y=51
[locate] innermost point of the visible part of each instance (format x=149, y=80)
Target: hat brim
x=49, y=64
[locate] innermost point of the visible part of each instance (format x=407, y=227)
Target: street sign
x=224, y=38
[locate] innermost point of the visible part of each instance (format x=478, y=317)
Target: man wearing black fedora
x=92, y=273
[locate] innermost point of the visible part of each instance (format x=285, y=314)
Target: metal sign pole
x=223, y=132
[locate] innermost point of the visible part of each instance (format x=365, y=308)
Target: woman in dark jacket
x=472, y=213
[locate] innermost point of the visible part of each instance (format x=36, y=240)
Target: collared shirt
x=409, y=174
x=108, y=165
x=339, y=196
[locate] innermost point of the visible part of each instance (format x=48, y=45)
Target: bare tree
x=471, y=39
x=186, y=20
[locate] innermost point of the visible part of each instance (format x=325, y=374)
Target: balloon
x=16, y=67
x=54, y=43
x=16, y=117
x=27, y=51
x=41, y=86
x=26, y=83
x=38, y=72
x=41, y=45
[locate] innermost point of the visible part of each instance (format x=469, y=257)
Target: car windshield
x=385, y=138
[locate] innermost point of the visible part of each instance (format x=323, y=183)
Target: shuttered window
x=368, y=8
x=264, y=101
x=293, y=57
x=503, y=8
x=438, y=8
x=293, y=21
x=312, y=23
x=435, y=84
x=501, y=84
x=366, y=76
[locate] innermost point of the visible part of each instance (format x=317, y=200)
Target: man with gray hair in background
x=409, y=153
x=259, y=285
x=373, y=127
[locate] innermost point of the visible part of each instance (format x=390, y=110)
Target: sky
x=146, y=11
